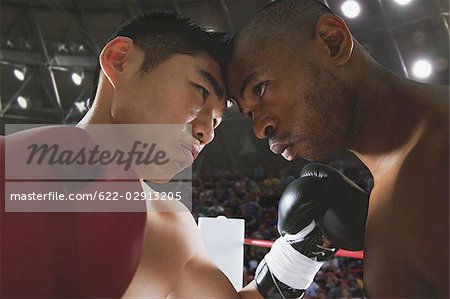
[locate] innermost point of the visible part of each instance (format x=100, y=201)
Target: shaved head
x=287, y=22
x=285, y=73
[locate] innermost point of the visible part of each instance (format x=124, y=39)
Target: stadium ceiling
x=49, y=47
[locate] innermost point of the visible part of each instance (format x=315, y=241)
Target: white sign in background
x=224, y=241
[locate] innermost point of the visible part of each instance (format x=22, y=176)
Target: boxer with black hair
x=159, y=68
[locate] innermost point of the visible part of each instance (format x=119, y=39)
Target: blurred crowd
x=253, y=195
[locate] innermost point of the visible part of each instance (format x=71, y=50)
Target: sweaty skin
x=332, y=95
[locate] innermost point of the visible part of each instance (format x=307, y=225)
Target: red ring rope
x=340, y=253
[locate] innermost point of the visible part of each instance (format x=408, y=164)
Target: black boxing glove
x=323, y=194
x=320, y=196
x=292, y=263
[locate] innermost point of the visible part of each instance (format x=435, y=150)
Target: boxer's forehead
x=206, y=63
x=210, y=70
x=247, y=64
x=201, y=66
x=243, y=67
x=198, y=69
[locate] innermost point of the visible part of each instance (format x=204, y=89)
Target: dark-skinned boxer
x=312, y=89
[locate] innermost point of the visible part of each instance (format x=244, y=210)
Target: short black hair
x=161, y=34
x=284, y=22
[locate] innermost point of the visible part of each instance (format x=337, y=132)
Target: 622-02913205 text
x=102, y=195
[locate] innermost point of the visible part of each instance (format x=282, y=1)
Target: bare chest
x=397, y=231
x=386, y=269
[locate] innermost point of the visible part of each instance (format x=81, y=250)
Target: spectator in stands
x=216, y=209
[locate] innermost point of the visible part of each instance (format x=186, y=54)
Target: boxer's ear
x=334, y=35
x=113, y=57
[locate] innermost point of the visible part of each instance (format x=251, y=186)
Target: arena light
x=81, y=49
x=19, y=73
x=77, y=77
x=23, y=103
x=351, y=9
x=62, y=47
x=422, y=69
x=402, y=2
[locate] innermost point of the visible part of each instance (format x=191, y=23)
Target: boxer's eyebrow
x=244, y=84
x=210, y=78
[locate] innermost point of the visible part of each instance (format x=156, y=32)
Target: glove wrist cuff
x=270, y=287
x=290, y=266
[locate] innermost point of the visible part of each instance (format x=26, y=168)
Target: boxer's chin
x=316, y=154
x=161, y=174
x=167, y=176
x=299, y=150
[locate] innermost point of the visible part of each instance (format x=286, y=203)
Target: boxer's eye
x=259, y=89
x=203, y=91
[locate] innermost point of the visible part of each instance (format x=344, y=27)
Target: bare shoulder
x=425, y=170
x=179, y=228
x=421, y=195
x=421, y=188
x=169, y=244
x=437, y=98
x=428, y=158
x=440, y=91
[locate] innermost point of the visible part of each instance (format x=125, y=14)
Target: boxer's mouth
x=278, y=148
x=195, y=151
x=190, y=154
x=287, y=152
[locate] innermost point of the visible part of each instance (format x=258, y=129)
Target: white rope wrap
x=290, y=266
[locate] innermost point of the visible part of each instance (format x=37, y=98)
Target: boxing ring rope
x=224, y=240
x=341, y=252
